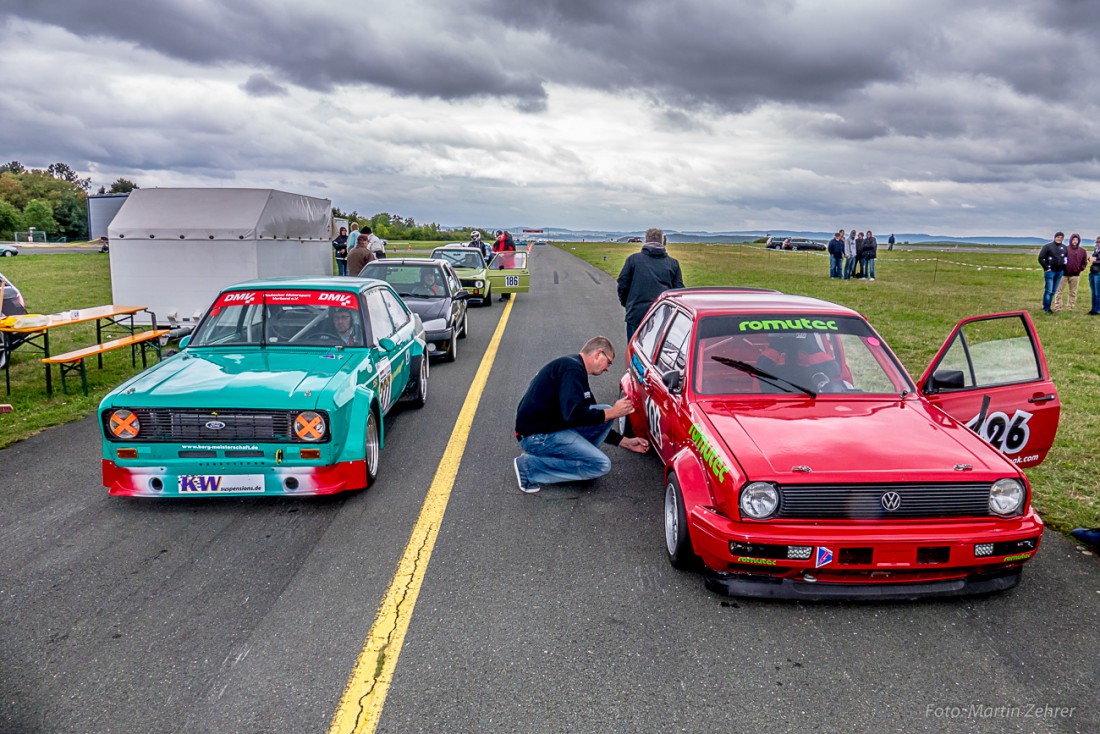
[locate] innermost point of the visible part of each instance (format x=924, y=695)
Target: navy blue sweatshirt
x=559, y=397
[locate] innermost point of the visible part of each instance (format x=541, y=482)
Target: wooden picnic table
x=107, y=319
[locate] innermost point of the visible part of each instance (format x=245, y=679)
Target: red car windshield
x=787, y=353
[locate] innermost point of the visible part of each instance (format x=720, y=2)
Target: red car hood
x=850, y=441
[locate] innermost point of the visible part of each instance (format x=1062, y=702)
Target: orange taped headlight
x=309, y=426
x=124, y=424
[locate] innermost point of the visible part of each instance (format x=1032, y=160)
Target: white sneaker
x=526, y=488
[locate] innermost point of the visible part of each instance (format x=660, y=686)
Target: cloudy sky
x=929, y=116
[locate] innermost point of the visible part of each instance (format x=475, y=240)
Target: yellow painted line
x=361, y=705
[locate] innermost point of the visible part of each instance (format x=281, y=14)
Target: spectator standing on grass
x=1076, y=261
x=560, y=426
x=360, y=255
x=849, y=255
x=861, y=272
x=340, y=247
x=645, y=275
x=890, y=242
x=870, y=248
x=836, y=254
x=1053, y=259
x=1094, y=279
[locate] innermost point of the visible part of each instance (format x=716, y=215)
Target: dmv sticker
x=824, y=557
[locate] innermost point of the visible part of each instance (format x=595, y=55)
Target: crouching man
x=559, y=426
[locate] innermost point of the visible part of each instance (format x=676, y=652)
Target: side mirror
x=185, y=341
x=461, y=296
x=387, y=344
x=946, y=380
x=671, y=380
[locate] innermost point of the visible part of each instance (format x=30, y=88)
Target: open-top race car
x=281, y=390
x=801, y=460
x=506, y=273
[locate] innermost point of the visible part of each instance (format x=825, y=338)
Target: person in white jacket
x=850, y=255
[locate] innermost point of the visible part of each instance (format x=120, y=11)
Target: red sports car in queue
x=801, y=461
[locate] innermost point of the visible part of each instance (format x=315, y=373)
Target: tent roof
x=221, y=214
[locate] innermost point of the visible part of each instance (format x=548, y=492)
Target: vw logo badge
x=891, y=501
x=218, y=425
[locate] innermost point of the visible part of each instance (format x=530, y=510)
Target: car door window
x=993, y=352
x=398, y=313
x=646, y=339
x=671, y=356
x=381, y=324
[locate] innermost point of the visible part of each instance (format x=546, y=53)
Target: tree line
x=53, y=200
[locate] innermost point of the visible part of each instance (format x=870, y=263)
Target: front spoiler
x=769, y=587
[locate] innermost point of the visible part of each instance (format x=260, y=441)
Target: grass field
x=916, y=299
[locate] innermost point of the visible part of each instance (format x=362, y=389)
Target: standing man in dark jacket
x=1053, y=259
x=646, y=275
x=1077, y=259
x=836, y=254
x=560, y=426
x=340, y=246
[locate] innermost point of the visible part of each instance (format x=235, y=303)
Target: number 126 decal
x=1009, y=435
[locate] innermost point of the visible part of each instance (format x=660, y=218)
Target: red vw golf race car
x=801, y=461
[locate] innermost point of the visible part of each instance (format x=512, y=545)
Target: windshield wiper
x=766, y=376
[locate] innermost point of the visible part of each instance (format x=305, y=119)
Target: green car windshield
x=471, y=259
x=282, y=318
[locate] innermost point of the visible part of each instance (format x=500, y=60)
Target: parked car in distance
x=281, y=390
x=432, y=290
x=801, y=461
x=7, y=250
x=793, y=243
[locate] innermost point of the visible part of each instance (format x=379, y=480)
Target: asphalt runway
x=553, y=612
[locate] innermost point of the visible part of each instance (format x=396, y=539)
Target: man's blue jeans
x=835, y=265
x=1094, y=285
x=871, y=268
x=1051, y=280
x=849, y=268
x=341, y=266
x=565, y=456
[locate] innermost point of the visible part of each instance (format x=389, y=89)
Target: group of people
x=853, y=256
x=559, y=424
x=1062, y=268
x=356, y=248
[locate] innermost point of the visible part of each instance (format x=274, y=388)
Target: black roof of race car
x=734, y=299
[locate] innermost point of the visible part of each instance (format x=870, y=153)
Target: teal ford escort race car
x=281, y=390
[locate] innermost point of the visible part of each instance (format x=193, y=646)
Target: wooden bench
x=74, y=360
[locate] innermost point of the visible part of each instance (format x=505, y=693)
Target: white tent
x=172, y=250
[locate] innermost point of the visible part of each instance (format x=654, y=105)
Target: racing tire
x=452, y=349
x=420, y=371
x=372, y=447
x=677, y=540
x=465, y=324
x=7, y=253
x=487, y=301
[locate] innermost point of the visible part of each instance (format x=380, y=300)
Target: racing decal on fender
x=824, y=557
x=790, y=325
x=653, y=417
x=636, y=367
x=1009, y=435
x=385, y=384
x=710, y=456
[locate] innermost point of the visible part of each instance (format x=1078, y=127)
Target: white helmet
x=475, y=235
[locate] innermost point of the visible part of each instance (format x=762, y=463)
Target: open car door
x=991, y=375
x=508, y=272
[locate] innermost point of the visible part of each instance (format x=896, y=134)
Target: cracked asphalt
x=553, y=612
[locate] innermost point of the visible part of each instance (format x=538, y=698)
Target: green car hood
x=256, y=378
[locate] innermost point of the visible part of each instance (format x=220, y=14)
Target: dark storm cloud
x=259, y=85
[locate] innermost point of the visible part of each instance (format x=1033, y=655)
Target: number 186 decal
x=1009, y=435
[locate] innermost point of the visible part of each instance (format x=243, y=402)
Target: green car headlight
x=479, y=283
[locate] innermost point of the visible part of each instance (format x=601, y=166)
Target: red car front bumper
x=859, y=560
